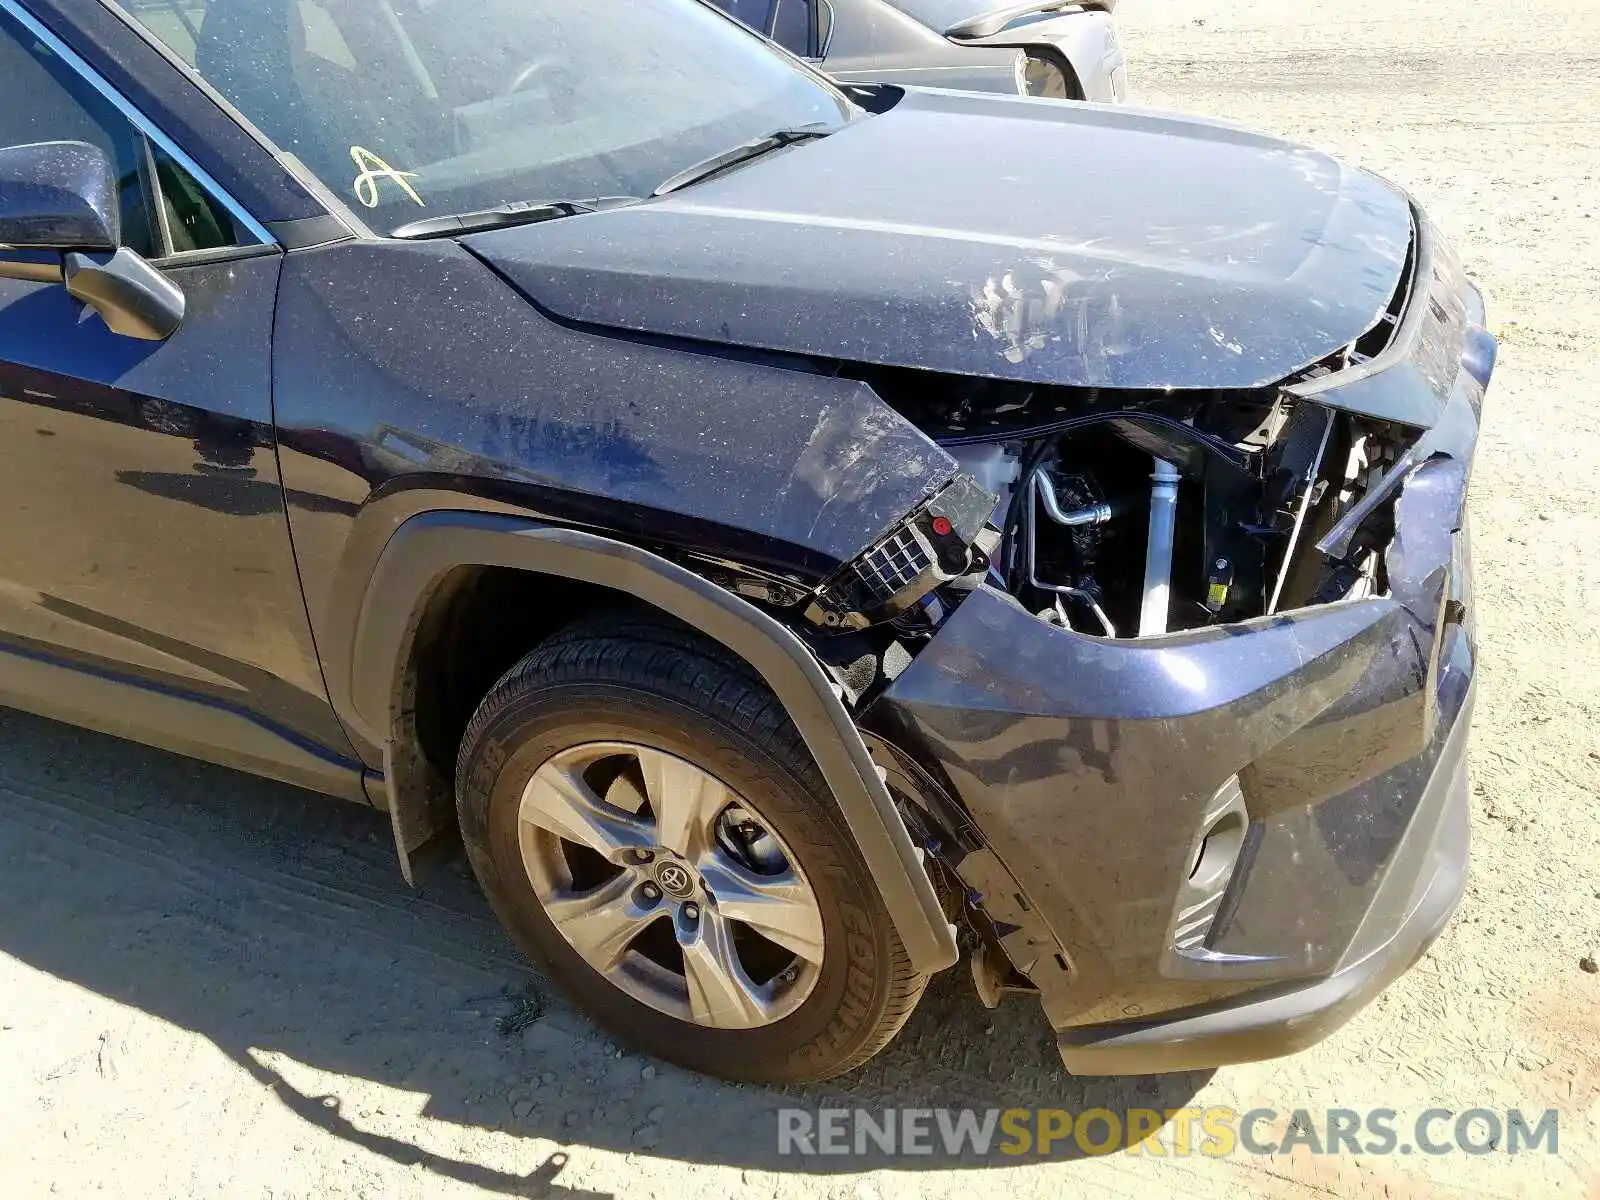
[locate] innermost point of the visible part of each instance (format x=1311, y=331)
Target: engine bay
x=1131, y=514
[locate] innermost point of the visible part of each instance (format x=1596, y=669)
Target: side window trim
x=212, y=254
x=151, y=182
x=145, y=126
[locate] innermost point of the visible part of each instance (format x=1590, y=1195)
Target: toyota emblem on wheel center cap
x=675, y=880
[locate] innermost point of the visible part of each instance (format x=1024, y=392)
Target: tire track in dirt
x=337, y=904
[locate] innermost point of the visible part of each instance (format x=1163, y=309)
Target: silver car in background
x=1059, y=49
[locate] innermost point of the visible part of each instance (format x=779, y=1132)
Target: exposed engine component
x=1153, y=613
x=1085, y=511
x=1303, y=483
x=1126, y=513
x=1177, y=512
x=994, y=465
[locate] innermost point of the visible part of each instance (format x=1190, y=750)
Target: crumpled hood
x=1019, y=239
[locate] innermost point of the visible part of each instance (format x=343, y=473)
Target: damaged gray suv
x=771, y=524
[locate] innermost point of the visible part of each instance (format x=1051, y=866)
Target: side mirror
x=58, y=196
x=59, y=223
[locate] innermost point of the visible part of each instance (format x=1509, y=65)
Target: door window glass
x=792, y=31
x=753, y=13
x=193, y=218
x=788, y=22
x=43, y=100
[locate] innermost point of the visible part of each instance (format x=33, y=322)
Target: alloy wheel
x=670, y=885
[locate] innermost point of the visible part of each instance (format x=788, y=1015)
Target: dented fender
x=736, y=457
x=427, y=546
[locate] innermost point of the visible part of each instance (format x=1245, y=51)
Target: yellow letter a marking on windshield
x=372, y=169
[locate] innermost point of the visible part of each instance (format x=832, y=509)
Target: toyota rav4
x=772, y=524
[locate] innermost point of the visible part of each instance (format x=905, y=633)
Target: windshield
x=412, y=108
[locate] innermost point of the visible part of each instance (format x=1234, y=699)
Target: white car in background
x=1059, y=49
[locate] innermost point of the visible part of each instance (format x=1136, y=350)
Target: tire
x=661, y=690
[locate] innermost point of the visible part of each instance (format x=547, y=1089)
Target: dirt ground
x=212, y=986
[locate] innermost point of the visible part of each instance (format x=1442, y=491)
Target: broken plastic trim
x=1335, y=544
x=1408, y=381
x=932, y=546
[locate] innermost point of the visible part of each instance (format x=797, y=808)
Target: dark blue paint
x=1073, y=245
x=144, y=531
x=140, y=683
x=410, y=365
x=58, y=195
x=662, y=374
x=1087, y=763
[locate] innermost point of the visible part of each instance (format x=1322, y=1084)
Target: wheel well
x=1064, y=64
x=477, y=624
x=531, y=580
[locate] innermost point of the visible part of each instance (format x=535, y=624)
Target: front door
x=147, y=581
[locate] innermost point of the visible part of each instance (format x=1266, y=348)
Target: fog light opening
x=1219, y=850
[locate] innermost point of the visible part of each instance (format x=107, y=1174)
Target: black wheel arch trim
x=426, y=547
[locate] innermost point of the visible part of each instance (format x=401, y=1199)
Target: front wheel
x=649, y=827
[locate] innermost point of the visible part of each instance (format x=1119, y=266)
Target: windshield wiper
x=742, y=153
x=518, y=212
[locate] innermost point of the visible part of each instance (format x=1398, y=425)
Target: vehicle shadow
x=274, y=923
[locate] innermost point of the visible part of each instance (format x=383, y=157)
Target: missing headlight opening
x=1126, y=514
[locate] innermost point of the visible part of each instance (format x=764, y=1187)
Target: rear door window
x=790, y=23
x=794, y=27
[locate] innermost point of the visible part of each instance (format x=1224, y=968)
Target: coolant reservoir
x=995, y=470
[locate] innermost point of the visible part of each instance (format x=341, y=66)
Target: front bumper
x=1088, y=772
x=1284, y=1021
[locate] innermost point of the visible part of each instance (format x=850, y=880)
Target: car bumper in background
x=1088, y=41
